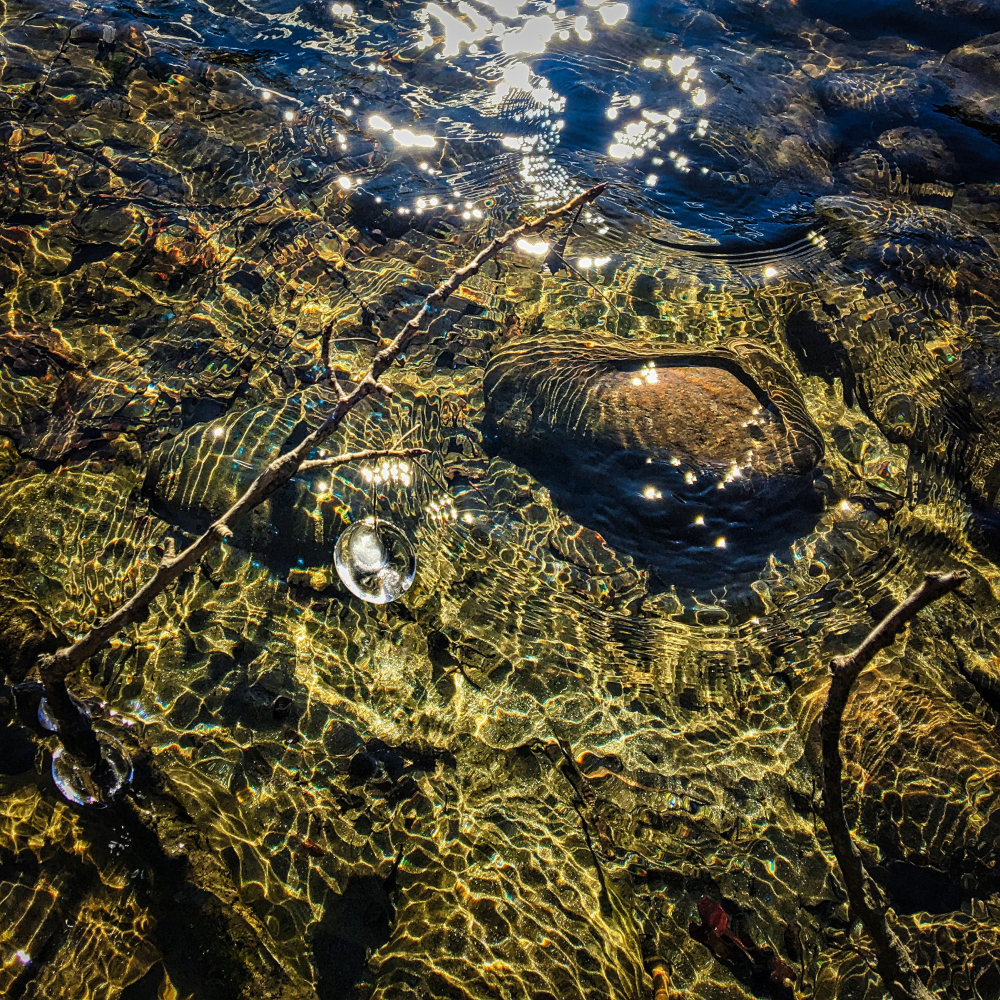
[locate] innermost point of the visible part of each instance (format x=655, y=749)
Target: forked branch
x=892, y=959
x=55, y=667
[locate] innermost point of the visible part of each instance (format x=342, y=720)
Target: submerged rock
x=875, y=89
x=979, y=58
x=732, y=406
x=920, y=152
x=971, y=73
x=669, y=451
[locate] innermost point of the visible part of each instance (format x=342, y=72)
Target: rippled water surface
x=681, y=453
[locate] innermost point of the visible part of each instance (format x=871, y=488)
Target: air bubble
x=78, y=785
x=375, y=561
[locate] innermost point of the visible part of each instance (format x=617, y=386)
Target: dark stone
x=979, y=58
x=17, y=750
x=965, y=8
x=245, y=703
x=340, y=739
x=380, y=759
x=921, y=152
x=146, y=988
x=875, y=89
x=814, y=341
x=920, y=888
x=281, y=707
x=363, y=766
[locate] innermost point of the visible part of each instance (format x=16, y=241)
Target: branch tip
x=892, y=959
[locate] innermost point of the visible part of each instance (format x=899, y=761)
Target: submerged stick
x=661, y=980
x=54, y=668
x=345, y=458
x=892, y=959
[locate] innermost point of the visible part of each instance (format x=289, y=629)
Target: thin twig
x=432, y=475
x=55, y=667
x=596, y=288
x=892, y=959
x=360, y=456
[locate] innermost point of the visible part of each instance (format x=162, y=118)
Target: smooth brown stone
x=711, y=409
x=703, y=416
x=697, y=463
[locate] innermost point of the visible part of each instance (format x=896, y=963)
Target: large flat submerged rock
x=700, y=463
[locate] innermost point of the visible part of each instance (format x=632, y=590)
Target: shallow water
x=587, y=714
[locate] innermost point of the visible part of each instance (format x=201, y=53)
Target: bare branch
x=413, y=326
x=331, y=375
x=892, y=959
x=348, y=457
x=55, y=667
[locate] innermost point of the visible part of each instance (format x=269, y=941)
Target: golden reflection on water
x=537, y=760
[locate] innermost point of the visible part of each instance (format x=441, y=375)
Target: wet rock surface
x=713, y=409
x=920, y=152
x=980, y=59
x=522, y=778
x=668, y=451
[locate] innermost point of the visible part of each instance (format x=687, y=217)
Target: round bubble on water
x=77, y=785
x=375, y=561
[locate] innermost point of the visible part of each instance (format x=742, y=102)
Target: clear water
x=519, y=779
